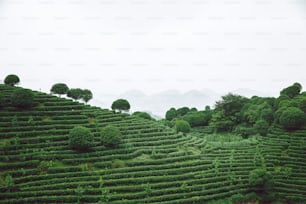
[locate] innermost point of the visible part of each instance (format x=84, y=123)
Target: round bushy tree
x=121, y=105
x=86, y=95
x=261, y=180
x=80, y=138
x=59, y=88
x=11, y=79
x=110, y=136
x=171, y=114
x=22, y=98
x=182, y=126
x=75, y=94
x=292, y=118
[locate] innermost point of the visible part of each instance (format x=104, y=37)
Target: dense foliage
x=22, y=98
x=143, y=115
x=121, y=105
x=110, y=136
x=248, y=116
x=80, y=138
x=292, y=118
x=182, y=126
x=11, y=79
x=59, y=88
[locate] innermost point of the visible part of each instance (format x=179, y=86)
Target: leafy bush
x=182, y=126
x=244, y=131
x=262, y=127
x=11, y=79
x=22, y=98
x=80, y=138
x=200, y=118
x=143, y=115
x=261, y=180
x=110, y=136
x=292, y=118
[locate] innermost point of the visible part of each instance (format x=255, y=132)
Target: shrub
x=117, y=164
x=292, y=118
x=261, y=180
x=11, y=79
x=261, y=126
x=182, y=126
x=143, y=115
x=22, y=98
x=80, y=138
x=244, y=131
x=110, y=136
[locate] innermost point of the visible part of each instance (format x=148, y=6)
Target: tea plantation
x=152, y=164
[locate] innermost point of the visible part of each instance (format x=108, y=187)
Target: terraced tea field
x=153, y=164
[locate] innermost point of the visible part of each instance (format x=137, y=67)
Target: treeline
x=247, y=116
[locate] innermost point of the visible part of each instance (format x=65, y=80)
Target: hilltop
x=153, y=164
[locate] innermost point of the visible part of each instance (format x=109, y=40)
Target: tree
x=171, y=114
x=143, y=115
x=182, y=126
x=22, y=98
x=182, y=111
x=11, y=79
x=292, y=90
x=76, y=94
x=59, y=88
x=86, y=95
x=80, y=138
x=292, y=118
x=262, y=127
x=200, y=118
x=121, y=105
x=261, y=180
x=110, y=136
x=231, y=104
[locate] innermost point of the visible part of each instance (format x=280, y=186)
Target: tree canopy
x=110, y=136
x=59, y=88
x=11, y=79
x=86, y=95
x=80, y=138
x=22, y=98
x=75, y=93
x=121, y=105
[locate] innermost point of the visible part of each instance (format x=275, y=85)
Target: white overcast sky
x=112, y=46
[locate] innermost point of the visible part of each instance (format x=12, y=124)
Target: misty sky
x=112, y=46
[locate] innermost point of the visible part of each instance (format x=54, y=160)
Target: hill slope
x=152, y=165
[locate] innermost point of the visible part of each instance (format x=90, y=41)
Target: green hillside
x=153, y=164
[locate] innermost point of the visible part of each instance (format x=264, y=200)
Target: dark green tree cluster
x=194, y=117
x=248, y=116
x=74, y=93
